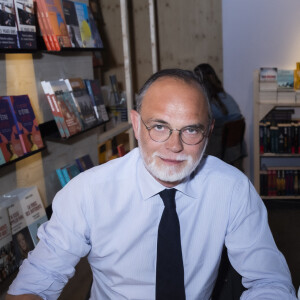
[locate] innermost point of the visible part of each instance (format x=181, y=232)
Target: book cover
x=94, y=90
x=54, y=109
x=84, y=162
x=72, y=23
x=8, y=257
x=115, y=89
x=83, y=101
x=27, y=122
x=268, y=74
x=8, y=25
x=26, y=23
x=57, y=22
x=84, y=24
x=97, y=41
x=57, y=106
x=40, y=26
x=49, y=31
x=26, y=213
x=10, y=139
x=285, y=79
x=67, y=107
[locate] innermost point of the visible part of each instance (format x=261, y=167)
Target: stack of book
x=21, y=214
x=76, y=104
x=61, y=23
x=69, y=171
x=19, y=130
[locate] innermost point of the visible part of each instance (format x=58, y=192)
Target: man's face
x=174, y=103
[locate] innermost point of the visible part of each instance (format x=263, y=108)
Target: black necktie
x=169, y=265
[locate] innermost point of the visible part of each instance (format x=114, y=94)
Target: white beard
x=170, y=173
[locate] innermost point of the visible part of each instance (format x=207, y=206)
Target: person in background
x=224, y=109
x=114, y=213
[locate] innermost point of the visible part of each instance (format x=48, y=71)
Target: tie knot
x=168, y=197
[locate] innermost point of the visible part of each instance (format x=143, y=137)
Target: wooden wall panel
x=189, y=33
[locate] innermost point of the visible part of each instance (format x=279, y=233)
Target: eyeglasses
x=189, y=135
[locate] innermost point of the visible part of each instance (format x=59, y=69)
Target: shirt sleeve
x=252, y=250
x=64, y=239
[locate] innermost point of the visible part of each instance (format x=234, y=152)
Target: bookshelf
x=273, y=161
x=24, y=70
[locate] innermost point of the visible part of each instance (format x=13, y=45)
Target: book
x=54, y=108
x=84, y=162
x=94, y=89
x=45, y=24
x=8, y=25
x=57, y=21
x=121, y=150
x=8, y=263
x=70, y=171
x=40, y=26
x=72, y=23
x=115, y=89
x=61, y=177
x=26, y=214
x=11, y=144
x=84, y=24
x=97, y=41
x=26, y=24
x=27, y=123
x=285, y=79
x=67, y=106
x=83, y=101
x=268, y=74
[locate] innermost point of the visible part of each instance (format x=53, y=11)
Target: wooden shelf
x=50, y=132
x=281, y=197
x=280, y=154
x=107, y=135
x=23, y=157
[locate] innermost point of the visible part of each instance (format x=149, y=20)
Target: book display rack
x=276, y=147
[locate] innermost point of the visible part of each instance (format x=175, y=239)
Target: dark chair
x=232, y=141
x=229, y=282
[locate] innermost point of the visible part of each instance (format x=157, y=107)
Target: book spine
x=61, y=177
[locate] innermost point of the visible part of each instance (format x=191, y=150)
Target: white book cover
x=26, y=214
x=8, y=261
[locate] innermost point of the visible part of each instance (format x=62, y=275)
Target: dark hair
x=213, y=85
x=184, y=75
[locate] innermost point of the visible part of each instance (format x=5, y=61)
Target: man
x=112, y=212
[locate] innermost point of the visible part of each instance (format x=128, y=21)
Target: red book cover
x=56, y=19
x=27, y=122
x=10, y=142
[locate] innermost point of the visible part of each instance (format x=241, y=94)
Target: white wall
x=257, y=33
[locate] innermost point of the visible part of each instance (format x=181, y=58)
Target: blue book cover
x=61, y=177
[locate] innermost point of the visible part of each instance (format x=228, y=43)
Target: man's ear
x=211, y=127
x=135, y=120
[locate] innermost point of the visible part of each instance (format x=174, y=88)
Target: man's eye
x=159, y=127
x=191, y=130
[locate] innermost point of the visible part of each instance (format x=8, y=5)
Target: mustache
x=178, y=157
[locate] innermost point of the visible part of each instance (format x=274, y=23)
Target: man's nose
x=174, y=142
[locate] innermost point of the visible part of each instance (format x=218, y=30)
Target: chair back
x=233, y=134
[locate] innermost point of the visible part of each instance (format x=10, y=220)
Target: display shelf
x=23, y=157
x=261, y=109
x=50, y=132
x=109, y=134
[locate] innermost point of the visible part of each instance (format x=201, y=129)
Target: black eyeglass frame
x=204, y=135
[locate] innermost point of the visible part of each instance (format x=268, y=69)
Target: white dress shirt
x=111, y=213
